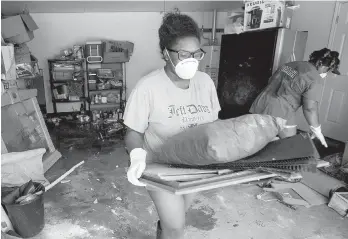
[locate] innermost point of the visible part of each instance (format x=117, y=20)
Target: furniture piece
x=246, y=64
x=106, y=86
x=23, y=127
x=68, y=82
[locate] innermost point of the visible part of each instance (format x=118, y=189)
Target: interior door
x=340, y=37
x=333, y=110
x=334, y=105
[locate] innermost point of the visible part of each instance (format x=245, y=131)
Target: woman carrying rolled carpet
x=164, y=103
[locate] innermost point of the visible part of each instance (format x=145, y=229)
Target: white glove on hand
x=137, y=167
x=317, y=133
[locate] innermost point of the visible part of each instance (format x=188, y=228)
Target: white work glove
x=316, y=132
x=137, y=167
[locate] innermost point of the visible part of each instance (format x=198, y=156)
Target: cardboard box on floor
x=262, y=14
x=18, y=29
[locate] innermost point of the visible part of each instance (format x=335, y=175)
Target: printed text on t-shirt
x=289, y=71
x=190, y=114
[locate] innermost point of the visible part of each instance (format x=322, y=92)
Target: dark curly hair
x=325, y=57
x=174, y=26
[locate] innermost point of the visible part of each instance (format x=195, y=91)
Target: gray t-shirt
x=286, y=89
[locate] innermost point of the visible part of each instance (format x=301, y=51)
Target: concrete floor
x=99, y=202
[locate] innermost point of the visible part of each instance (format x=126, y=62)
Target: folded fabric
x=220, y=141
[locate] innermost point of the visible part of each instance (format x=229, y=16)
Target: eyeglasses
x=182, y=55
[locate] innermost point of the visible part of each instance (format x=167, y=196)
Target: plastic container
x=28, y=220
x=63, y=75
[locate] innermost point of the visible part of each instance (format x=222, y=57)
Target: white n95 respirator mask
x=186, y=69
x=323, y=75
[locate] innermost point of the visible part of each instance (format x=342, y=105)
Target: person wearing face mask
x=296, y=84
x=165, y=102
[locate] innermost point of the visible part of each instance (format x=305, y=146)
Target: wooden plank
x=224, y=183
x=187, y=177
x=321, y=182
x=309, y=195
x=168, y=170
x=233, y=179
x=151, y=185
x=216, y=178
x=160, y=181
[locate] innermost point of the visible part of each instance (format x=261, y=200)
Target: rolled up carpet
x=221, y=141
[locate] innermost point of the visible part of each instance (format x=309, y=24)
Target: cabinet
x=68, y=82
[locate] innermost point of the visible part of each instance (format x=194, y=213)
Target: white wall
x=58, y=31
x=316, y=18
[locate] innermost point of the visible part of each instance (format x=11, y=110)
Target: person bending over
x=297, y=84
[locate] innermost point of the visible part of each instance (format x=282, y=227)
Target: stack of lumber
x=282, y=157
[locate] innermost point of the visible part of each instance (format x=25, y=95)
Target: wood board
x=312, y=197
x=187, y=177
x=154, y=182
x=203, y=184
x=159, y=170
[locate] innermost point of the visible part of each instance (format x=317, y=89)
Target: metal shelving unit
x=54, y=82
x=120, y=90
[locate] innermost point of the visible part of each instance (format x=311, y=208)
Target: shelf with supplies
x=106, y=85
x=69, y=101
x=68, y=82
x=106, y=105
x=106, y=90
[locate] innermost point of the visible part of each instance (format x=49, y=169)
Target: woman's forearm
x=133, y=140
x=311, y=112
x=312, y=117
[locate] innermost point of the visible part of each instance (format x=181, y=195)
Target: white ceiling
x=14, y=7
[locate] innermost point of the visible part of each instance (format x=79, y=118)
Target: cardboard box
x=115, y=57
x=21, y=49
x=262, y=14
x=23, y=58
x=117, y=51
x=8, y=64
x=18, y=29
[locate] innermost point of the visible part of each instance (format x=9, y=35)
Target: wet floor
x=98, y=202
